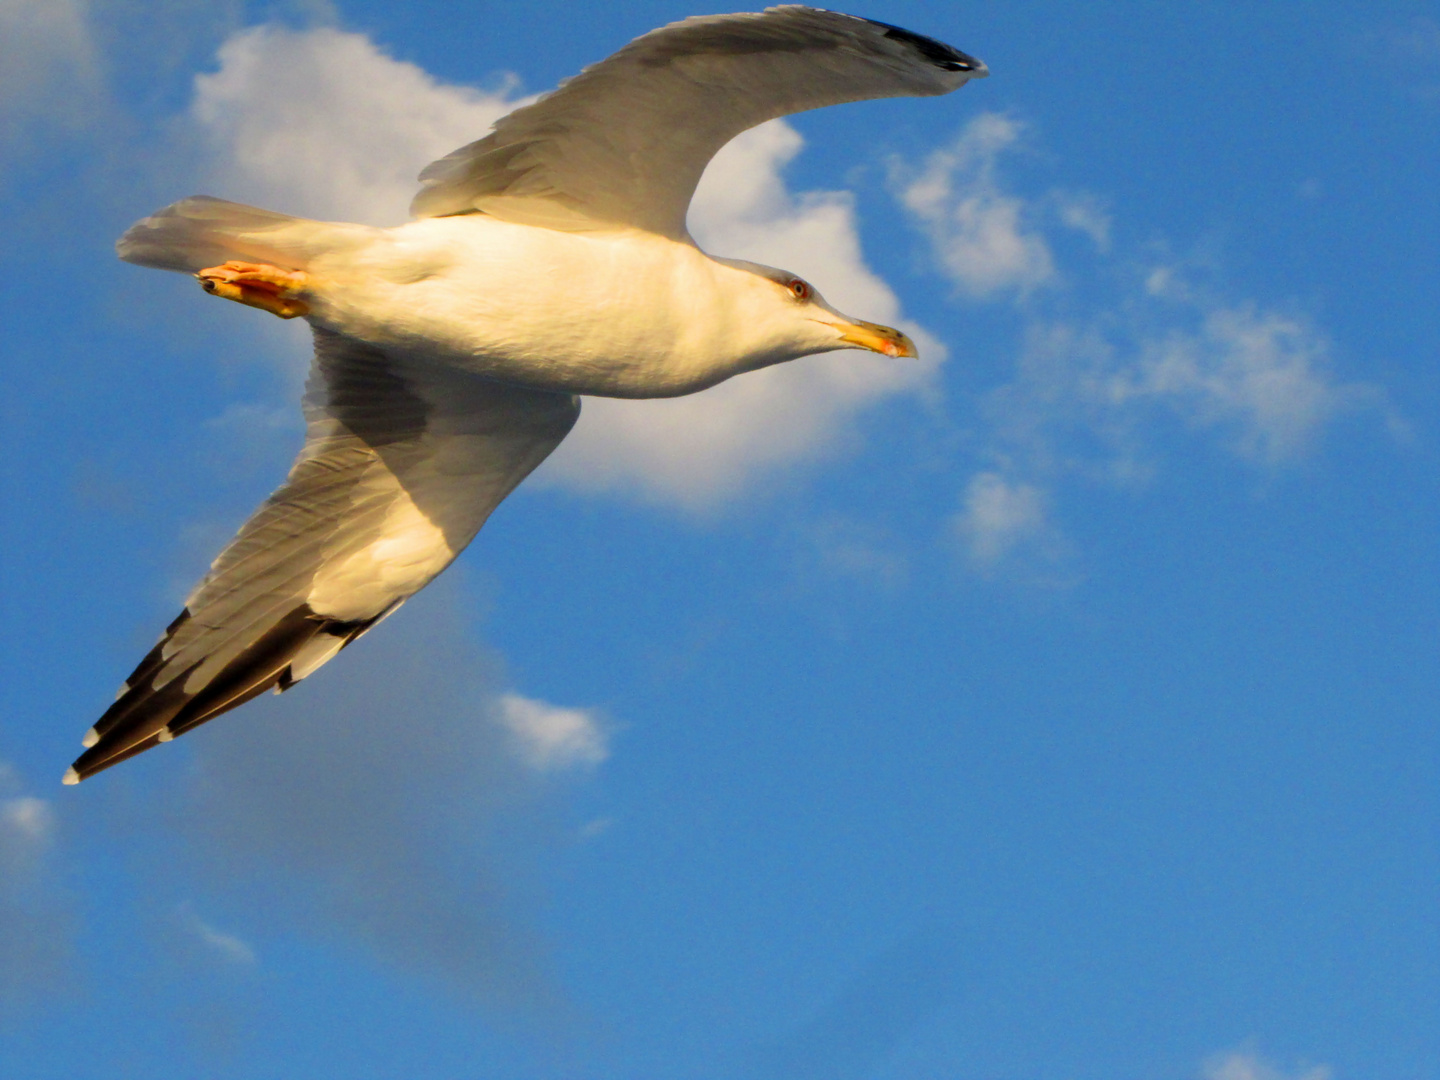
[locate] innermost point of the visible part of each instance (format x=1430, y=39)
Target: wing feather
x=623, y=143
x=403, y=462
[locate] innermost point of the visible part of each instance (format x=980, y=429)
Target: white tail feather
x=200, y=232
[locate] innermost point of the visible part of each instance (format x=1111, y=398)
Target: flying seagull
x=548, y=260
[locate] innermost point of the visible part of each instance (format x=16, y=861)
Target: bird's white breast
x=625, y=314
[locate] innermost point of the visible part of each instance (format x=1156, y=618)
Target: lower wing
x=402, y=464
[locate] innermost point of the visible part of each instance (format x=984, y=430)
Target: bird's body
x=648, y=316
x=548, y=260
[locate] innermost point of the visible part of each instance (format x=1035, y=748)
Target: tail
x=200, y=232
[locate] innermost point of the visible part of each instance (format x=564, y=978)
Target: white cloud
x=1102, y=370
x=1088, y=396
x=227, y=947
x=48, y=64
x=34, y=916
x=1084, y=213
x=384, y=803
x=999, y=516
x=984, y=238
x=594, y=827
x=548, y=737
x=1246, y=1065
x=370, y=123
x=26, y=827
x=1261, y=374
x=323, y=124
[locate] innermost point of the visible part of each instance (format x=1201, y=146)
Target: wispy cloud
x=999, y=516
x=34, y=916
x=857, y=1029
x=1105, y=375
x=49, y=65
x=860, y=550
x=1245, y=1064
x=368, y=124
x=251, y=436
x=549, y=738
x=1086, y=213
x=391, y=801
x=985, y=238
x=227, y=947
x=371, y=122
x=1261, y=375
x=1091, y=395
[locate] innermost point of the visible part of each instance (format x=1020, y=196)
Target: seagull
x=546, y=261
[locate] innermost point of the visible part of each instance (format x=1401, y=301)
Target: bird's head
x=794, y=320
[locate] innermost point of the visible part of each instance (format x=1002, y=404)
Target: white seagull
x=548, y=260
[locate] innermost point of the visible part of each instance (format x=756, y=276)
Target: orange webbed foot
x=258, y=285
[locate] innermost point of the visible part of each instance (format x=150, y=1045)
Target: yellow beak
x=877, y=338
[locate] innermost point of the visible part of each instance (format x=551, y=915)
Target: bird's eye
x=799, y=289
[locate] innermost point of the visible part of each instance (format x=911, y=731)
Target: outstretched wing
x=403, y=462
x=623, y=143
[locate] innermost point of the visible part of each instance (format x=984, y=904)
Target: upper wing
x=402, y=464
x=624, y=142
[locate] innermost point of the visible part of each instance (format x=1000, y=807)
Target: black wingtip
x=146, y=715
x=938, y=53
x=88, y=764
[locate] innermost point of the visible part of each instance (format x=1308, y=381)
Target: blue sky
x=1063, y=704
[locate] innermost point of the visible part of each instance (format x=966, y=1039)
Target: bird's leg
x=258, y=285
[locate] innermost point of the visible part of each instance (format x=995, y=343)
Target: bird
x=545, y=262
